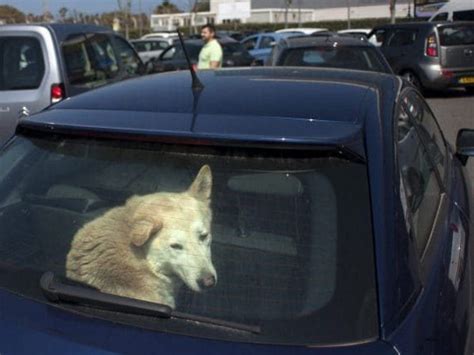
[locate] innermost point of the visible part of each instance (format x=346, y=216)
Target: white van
x=455, y=10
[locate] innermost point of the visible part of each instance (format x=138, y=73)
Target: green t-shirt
x=211, y=52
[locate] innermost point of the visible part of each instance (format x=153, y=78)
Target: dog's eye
x=203, y=236
x=177, y=246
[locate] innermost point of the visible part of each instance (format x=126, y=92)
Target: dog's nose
x=207, y=281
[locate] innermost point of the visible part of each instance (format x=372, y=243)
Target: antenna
x=196, y=85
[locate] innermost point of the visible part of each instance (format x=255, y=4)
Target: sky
x=87, y=6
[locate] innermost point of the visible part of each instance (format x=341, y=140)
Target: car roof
x=424, y=24
x=321, y=40
x=61, y=30
x=278, y=105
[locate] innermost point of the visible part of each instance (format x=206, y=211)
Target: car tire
x=412, y=78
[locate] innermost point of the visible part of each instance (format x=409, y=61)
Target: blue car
x=260, y=45
x=340, y=219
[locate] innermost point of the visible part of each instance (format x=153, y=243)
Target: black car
x=431, y=55
x=173, y=58
x=329, y=50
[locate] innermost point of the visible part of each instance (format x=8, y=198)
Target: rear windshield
x=276, y=240
x=456, y=35
x=21, y=63
x=357, y=58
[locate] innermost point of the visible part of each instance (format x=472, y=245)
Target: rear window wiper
x=58, y=290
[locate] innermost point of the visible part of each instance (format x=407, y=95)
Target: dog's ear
x=142, y=230
x=202, y=184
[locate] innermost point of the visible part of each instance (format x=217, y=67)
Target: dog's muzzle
x=207, y=281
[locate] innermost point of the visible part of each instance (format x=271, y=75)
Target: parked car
x=340, y=218
x=455, y=10
x=431, y=55
x=235, y=55
x=43, y=64
x=162, y=34
x=149, y=49
x=260, y=45
x=356, y=31
x=302, y=30
x=329, y=51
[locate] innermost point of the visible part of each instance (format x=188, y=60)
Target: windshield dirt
x=279, y=240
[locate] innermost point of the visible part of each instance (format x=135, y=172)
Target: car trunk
x=457, y=46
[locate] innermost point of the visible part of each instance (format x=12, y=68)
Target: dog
x=151, y=246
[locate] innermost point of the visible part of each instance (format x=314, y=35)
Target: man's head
x=208, y=32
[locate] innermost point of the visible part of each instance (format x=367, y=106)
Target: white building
x=274, y=11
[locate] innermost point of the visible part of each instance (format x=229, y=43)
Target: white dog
x=148, y=248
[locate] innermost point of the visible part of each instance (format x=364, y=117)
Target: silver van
x=43, y=64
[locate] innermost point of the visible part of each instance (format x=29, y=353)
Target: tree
x=201, y=6
x=10, y=14
x=167, y=7
x=63, y=13
x=392, y=5
x=125, y=7
x=288, y=3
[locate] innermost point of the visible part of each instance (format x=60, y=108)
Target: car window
x=402, y=37
x=467, y=15
x=250, y=43
x=456, y=35
x=161, y=45
x=192, y=50
x=378, y=37
x=429, y=129
x=266, y=42
x=353, y=57
x=274, y=240
x=420, y=185
x=140, y=46
x=131, y=63
x=169, y=53
x=21, y=63
x=90, y=60
x=443, y=16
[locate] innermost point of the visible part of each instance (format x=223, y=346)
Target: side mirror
x=465, y=145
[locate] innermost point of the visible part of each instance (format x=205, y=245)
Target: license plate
x=467, y=80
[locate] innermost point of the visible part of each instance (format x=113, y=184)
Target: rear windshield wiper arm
x=56, y=290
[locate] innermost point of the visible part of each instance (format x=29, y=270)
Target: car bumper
x=437, y=77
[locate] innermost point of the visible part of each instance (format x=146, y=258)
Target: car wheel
x=412, y=78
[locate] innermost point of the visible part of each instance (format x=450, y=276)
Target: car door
x=436, y=226
x=265, y=46
x=398, y=47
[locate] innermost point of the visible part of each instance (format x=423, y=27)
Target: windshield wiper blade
x=56, y=290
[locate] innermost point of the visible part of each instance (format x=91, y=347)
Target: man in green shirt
x=211, y=54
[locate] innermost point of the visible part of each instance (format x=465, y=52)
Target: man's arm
x=214, y=65
x=216, y=57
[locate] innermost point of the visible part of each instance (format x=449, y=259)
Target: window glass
x=250, y=43
x=90, y=60
x=378, y=37
x=161, y=45
x=140, y=46
x=441, y=17
x=266, y=42
x=358, y=58
x=467, y=15
x=402, y=38
x=429, y=130
x=21, y=63
x=130, y=61
x=279, y=240
x=456, y=35
x=420, y=184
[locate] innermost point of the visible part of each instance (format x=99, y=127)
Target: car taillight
x=57, y=93
x=431, y=46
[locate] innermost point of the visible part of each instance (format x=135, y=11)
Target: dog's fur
x=148, y=248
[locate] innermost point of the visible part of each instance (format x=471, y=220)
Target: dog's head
x=177, y=227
